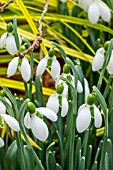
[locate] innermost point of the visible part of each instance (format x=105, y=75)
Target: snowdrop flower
x=23, y=66
x=49, y=61
x=99, y=60
x=9, y=40
x=87, y=90
x=35, y=123
x=11, y=121
x=95, y=9
x=85, y=113
x=58, y=99
x=1, y=142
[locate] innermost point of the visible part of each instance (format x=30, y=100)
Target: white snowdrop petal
x=65, y=107
x=11, y=45
x=65, y=91
x=25, y=69
x=63, y=1
x=83, y=120
x=3, y=40
x=39, y=128
x=98, y=59
x=47, y=113
x=12, y=67
x=2, y=108
x=11, y=121
x=110, y=64
x=1, y=142
x=27, y=120
x=87, y=90
x=82, y=107
x=93, y=12
x=79, y=87
x=104, y=11
x=86, y=4
x=42, y=66
x=55, y=68
x=8, y=101
x=53, y=103
x=97, y=117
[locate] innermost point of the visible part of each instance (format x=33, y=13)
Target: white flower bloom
x=63, y=1
x=1, y=142
x=53, y=104
x=84, y=118
x=95, y=9
x=87, y=90
x=110, y=64
x=98, y=59
x=37, y=125
x=9, y=40
x=12, y=122
x=55, y=66
x=24, y=68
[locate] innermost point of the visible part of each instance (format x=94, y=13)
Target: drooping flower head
x=8, y=39
x=22, y=64
x=34, y=120
x=96, y=9
x=85, y=113
x=11, y=121
x=49, y=61
x=57, y=100
x=99, y=58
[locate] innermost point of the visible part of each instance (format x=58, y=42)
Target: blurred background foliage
x=64, y=23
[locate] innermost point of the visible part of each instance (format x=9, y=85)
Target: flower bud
x=31, y=107
x=66, y=69
x=106, y=44
x=60, y=88
x=22, y=48
x=9, y=27
x=51, y=52
x=2, y=93
x=90, y=99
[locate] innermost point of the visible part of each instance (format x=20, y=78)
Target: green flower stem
x=31, y=80
x=20, y=151
x=104, y=143
x=107, y=86
x=33, y=153
x=73, y=115
x=26, y=88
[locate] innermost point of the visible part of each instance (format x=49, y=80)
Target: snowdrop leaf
x=83, y=119
x=27, y=120
x=97, y=117
x=11, y=121
x=39, y=128
x=11, y=45
x=98, y=60
x=1, y=142
x=47, y=113
x=110, y=64
x=93, y=12
x=3, y=40
x=12, y=67
x=55, y=68
x=65, y=106
x=53, y=103
x=25, y=69
x=104, y=11
x=42, y=65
